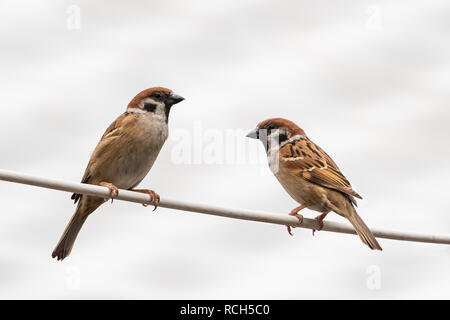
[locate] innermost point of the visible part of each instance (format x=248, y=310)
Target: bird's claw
x=300, y=219
x=113, y=190
x=289, y=230
x=154, y=197
x=320, y=221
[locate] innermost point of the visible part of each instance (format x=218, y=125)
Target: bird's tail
x=362, y=230
x=65, y=244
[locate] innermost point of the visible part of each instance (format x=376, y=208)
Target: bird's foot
x=294, y=213
x=113, y=190
x=154, y=197
x=298, y=216
x=320, y=221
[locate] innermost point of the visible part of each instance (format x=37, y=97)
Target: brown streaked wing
x=109, y=131
x=310, y=162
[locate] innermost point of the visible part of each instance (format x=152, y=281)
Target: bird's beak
x=254, y=134
x=174, y=99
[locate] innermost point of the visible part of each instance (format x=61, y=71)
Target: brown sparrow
x=309, y=175
x=123, y=157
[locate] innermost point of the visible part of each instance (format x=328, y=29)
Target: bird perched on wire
x=309, y=175
x=123, y=157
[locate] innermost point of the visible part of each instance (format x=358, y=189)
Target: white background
x=367, y=80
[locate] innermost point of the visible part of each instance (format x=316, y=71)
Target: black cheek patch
x=283, y=138
x=150, y=107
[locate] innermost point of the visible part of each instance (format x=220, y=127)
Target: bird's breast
x=301, y=190
x=140, y=148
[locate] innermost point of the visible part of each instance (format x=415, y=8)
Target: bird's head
x=275, y=130
x=156, y=100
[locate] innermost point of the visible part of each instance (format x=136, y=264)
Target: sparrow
x=309, y=175
x=123, y=157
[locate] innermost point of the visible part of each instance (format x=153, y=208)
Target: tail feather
x=363, y=231
x=65, y=244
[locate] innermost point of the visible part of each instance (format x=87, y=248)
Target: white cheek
x=158, y=114
x=159, y=105
x=134, y=110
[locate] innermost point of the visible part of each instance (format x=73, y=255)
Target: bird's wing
x=108, y=137
x=309, y=161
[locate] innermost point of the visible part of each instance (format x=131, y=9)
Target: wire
x=235, y=213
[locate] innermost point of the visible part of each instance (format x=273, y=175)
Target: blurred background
x=367, y=80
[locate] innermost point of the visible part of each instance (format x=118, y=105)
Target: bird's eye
x=157, y=95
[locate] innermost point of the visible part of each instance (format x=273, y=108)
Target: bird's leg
x=113, y=190
x=294, y=213
x=154, y=197
x=320, y=220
